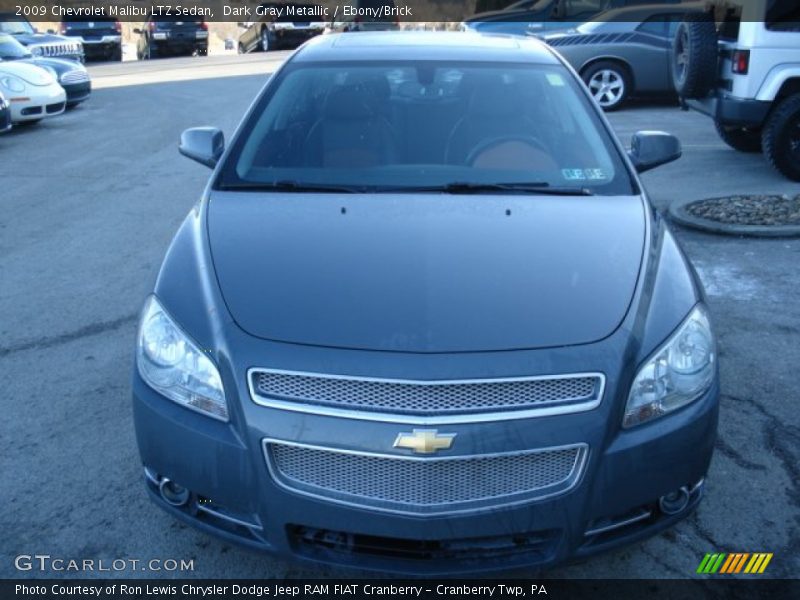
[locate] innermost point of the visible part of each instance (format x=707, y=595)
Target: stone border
x=679, y=215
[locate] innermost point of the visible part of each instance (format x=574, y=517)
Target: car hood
x=28, y=72
x=426, y=273
x=59, y=65
x=41, y=38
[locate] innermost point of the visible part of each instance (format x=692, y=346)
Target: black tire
x=116, y=55
x=618, y=75
x=240, y=48
x=264, y=43
x=694, y=57
x=781, y=138
x=740, y=138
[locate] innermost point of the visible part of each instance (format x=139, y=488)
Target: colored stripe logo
x=737, y=562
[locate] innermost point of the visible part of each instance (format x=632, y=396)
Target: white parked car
x=32, y=92
x=740, y=65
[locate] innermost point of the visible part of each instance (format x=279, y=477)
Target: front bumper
x=291, y=38
x=179, y=45
x=730, y=110
x=77, y=92
x=614, y=502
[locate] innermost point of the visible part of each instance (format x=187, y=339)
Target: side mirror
x=137, y=30
x=203, y=144
x=651, y=149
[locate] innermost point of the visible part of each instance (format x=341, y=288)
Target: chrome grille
x=416, y=485
x=296, y=391
x=76, y=76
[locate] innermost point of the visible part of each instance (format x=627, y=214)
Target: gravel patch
x=764, y=210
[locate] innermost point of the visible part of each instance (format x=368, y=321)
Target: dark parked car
x=71, y=75
x=625, y=52
x=101, y=36
x=40, y=44
x=537, y=17
x=365, y=15
x=281, y=25
x=424, y=318
x=5, y=115
x=173, y=37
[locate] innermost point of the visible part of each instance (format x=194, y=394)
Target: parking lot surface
x=88, y=206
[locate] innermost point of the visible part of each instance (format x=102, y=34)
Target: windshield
x=11, y=48
x=406, y=125
x=16, y=27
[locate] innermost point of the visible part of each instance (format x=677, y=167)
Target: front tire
x=265, y=45
x=781, y=138
x=116, y=55
x=240, y=48
x=740, y=138
x=609, y=83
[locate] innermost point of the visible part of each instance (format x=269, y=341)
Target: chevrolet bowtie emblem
x=424, y=441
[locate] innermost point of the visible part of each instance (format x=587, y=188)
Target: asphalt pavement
x=88, y=204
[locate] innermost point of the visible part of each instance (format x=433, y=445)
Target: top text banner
x=398, y=11
x=401, y=11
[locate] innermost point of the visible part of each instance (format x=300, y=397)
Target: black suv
x=171, y=37
x=101, y=36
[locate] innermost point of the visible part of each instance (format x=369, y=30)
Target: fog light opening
x=172, y=493
x=674, y=502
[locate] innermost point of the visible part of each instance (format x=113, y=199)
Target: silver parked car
x=625, y=51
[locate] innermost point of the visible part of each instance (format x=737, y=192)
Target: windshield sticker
x=555, y=80
x=584, y=174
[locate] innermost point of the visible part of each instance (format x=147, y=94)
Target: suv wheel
x=609, y=83
x=694, y=56
x=740, y=138
x=781, y=137
x=265, y=40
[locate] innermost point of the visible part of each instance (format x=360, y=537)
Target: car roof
x=425, y=45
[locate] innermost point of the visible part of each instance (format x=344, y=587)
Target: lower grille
x=55, y=108
x=413, y=485
x=536, y=547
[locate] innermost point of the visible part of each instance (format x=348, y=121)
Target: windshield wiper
x=526, y=187
x=292, y=187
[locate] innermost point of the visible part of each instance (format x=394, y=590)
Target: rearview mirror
x=203, y=144
x=651, y=149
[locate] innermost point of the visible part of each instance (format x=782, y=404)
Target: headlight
x=11, y=83
x=678, y=373
x=172, y=364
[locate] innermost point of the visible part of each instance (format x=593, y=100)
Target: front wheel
x=781, y=138
x=265, y=45
x=740, y=138
x=609, y=84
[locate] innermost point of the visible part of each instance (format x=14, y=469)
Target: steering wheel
x=499, y=140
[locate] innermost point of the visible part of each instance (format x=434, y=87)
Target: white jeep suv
x=739, y=63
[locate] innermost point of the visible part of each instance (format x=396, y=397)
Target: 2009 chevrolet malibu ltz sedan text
x=424, y=319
